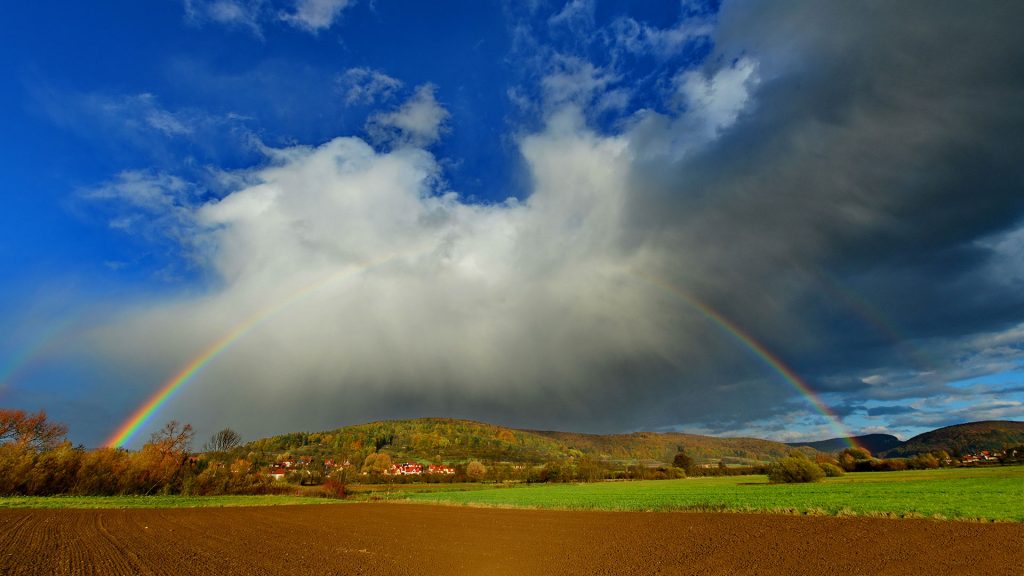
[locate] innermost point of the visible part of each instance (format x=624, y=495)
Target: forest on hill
x=957, y=440
x=451, y=440
x=966, y=438
x=662, y=447
x=423, y=439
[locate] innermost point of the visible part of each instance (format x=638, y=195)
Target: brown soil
x=422, y=539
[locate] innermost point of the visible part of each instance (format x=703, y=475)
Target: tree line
x=36, y=459
x=798, y=467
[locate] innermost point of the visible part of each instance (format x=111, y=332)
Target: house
x=440, y=469
x=277, y=472
x=409, y=468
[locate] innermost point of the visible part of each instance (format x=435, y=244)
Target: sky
x=786, y=220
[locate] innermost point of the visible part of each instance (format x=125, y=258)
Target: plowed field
x=419, y=539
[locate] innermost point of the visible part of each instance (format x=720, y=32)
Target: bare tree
x=173, y=438
x=223, y=441
x=163, y=458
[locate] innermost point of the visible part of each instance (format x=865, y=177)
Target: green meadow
x=967, y=493
x=995, y=493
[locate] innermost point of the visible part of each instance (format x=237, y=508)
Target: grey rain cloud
x=825, y=154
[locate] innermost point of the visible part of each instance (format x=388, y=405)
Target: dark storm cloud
x=883, y=142
x=890, y=410
x=828, y=166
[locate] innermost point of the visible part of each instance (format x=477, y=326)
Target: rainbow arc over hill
x=152, y=405
x=758, y=349
x=189, y=371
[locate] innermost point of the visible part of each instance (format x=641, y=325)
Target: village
x=281, y=469
x=306, y=465
x=986, y=457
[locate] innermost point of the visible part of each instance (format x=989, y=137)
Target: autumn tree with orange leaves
x=30, y=431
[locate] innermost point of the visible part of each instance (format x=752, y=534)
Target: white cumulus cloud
x=231, y=13
x=381, y=283
x=367, y=86
x=419, y=122
x=315, y=15
x=640, y=38
x=716, y=100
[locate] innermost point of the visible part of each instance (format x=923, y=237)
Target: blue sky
x=492, y=182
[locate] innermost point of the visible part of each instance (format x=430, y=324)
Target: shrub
x=893, y=465
x=923, y=462
x=476, y=471
x=376, y=463
x=795, y=469
x=334, y=488
x=831, y=470
x=858, y=453
x=682, y=460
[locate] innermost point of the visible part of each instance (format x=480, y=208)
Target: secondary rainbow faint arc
x=761, y=352
x=38, y=347
x=142, y=414
x=872, y=316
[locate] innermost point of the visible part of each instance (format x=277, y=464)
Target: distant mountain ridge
x=875, y=443
x=967, y=438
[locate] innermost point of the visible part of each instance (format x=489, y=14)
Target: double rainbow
x=747, y=341
x=147, y=410
x=152, y=405
x=36, y=349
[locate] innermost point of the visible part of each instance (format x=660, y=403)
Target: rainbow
x=762, y=353
x=152, y=405
x=186, y=373
x=873, y=317
x=145, y=412
x=37, y=347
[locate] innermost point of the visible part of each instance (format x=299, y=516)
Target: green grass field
x=969, y=493
x=995, y=493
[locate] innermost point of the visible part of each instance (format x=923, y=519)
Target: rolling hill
x=450, y=440
x=662, y=447
x=964, y=438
